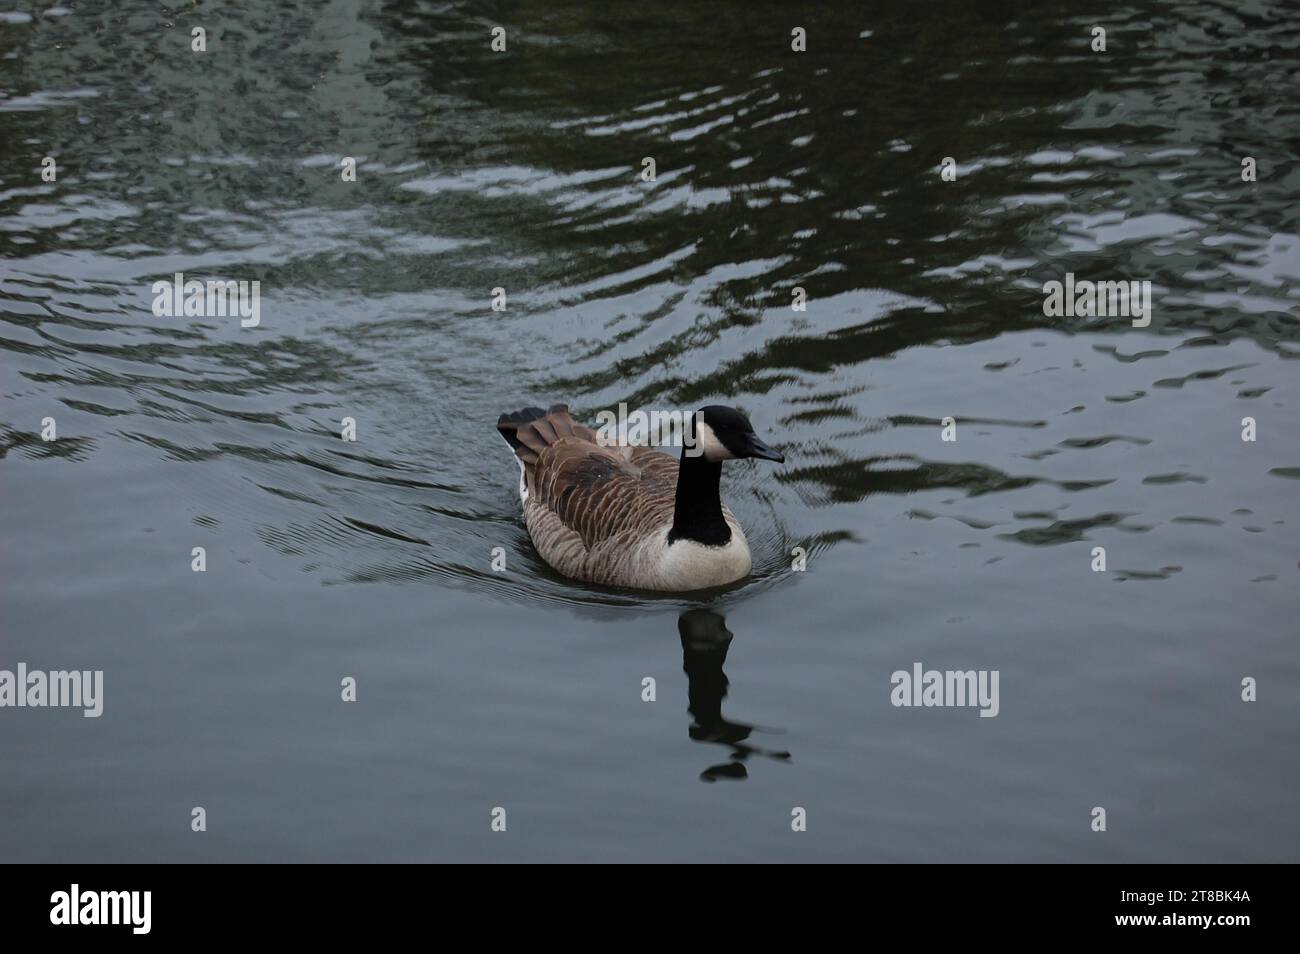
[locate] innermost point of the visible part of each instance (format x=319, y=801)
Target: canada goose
x=632, y=516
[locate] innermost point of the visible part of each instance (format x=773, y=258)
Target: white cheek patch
x=714, y=450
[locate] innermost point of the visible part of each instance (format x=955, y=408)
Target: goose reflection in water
x=705, y=640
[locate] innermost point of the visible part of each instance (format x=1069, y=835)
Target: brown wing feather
x=596, y=491
x=656, y=464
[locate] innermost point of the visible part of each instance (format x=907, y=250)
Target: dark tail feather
x=530, y=431
x=508, y=424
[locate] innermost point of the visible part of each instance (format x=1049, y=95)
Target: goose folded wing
x=601, y=492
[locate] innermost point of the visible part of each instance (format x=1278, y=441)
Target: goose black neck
x=697, y=514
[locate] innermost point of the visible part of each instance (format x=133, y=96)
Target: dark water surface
x=372, y=559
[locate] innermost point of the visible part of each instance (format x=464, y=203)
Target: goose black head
x=724, y=433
